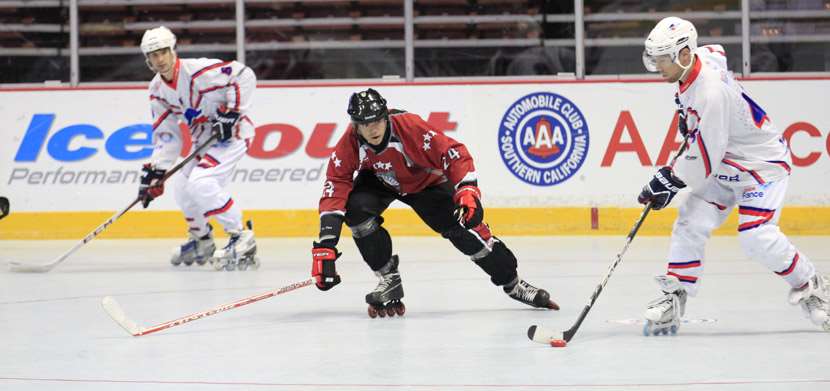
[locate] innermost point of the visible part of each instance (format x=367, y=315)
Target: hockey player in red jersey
x=736, y=158
x=398, y=157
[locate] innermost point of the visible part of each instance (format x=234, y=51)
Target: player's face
x=373, y=131
x=162, y=61
x=669, y=69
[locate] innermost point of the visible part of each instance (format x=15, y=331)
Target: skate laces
x=387, y=280
x=524, y=291
x=818, y=297
x=189, y=245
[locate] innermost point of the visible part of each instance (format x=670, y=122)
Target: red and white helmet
x=157, y=38
x=668, y=38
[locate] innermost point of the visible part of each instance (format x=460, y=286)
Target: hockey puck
x=558, y=343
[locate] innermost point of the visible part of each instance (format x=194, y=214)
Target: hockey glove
x=224, y=123
x=4, y=207
x=323, y=256
x=661, y=189
x=151, y=186
x=681, y=124
x=469, y=213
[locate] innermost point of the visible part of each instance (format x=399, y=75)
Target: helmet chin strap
x=685, y=68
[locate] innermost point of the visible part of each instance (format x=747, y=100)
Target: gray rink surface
x=459, y=333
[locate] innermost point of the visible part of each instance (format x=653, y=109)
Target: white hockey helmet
x=157, y=38
x=667, y=39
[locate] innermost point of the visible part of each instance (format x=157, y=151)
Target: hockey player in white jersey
x=210, y=97
x=736, y=156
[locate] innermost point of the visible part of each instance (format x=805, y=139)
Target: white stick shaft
x=119, y=316
x=19, y=267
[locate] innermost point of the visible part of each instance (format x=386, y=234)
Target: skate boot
x=521, y=290
x=663, y=314
x=196, y=249
x=385, y=300
x=814, y=299
x=239, y=253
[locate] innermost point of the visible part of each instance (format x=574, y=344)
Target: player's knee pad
x=203, y=190
x=764, y=243
x=500, y=264
x=366, y=227
x=373, y=242
x=467, y=243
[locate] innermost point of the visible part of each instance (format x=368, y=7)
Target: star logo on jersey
x=427, y=147
x=428, y=136
x=337, y=162
x=382, y=166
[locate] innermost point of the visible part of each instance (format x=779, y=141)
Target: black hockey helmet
x=367, y=106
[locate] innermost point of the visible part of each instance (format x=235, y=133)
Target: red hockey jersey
x=416, y=157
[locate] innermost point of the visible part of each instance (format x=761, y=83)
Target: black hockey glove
x=151, y=186
x=681, y=124
x=323, y=256
x=4, y=207
x=661, y=189
x=224, y=123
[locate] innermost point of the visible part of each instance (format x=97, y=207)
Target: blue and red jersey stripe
x=765, y=216
x=746, y=170
x=791, y=268
x=222, y=209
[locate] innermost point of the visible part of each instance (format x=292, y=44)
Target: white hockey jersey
x=199, y=89
x=732, y=140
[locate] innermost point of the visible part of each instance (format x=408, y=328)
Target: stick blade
x=543, y=335
x=117, y=314
x=18, y=267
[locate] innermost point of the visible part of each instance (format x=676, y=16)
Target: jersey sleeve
x=343, y=163
x=166, y=135
x=236, y=80
x=437, y=151
x=707, y=143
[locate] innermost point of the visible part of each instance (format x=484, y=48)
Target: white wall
x=33, y=181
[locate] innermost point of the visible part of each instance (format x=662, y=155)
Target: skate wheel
x=242, y=266
x=390, y=311
x=646, y=327
x=673, y=330
x=373, y=313
x=400, y=309
x=255, y=264
x=188, y=262
x=230, y=267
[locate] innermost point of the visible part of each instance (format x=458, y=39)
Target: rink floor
x=459, y=332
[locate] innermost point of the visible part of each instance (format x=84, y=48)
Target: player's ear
x=685, y=55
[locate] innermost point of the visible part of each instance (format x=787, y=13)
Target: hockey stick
x=29, y=268
x=542, y=335
x=119, y=316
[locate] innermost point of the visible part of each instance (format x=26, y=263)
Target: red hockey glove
x=469, y=213
x=151, y=186
x=323, y=256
